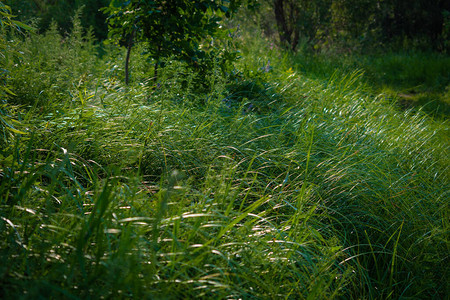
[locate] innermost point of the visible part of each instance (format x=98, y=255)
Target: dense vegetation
x=307, y=175
x=360, y=23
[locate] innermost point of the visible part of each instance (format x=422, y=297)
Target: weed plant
x=60, y=64
x=269, y=183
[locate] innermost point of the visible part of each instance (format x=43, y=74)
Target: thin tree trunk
x=295, y=27
x=127, y=59
x=279, y=17
x=284, y=29
x=155, y=78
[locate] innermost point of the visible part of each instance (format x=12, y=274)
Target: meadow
x=296, y=176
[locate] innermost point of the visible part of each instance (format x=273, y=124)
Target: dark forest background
x=319, y=24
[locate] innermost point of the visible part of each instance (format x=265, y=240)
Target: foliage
x=299, y=19
x=49, y=11
x=357, y=24
x=170, y=28
x=323, y=190
x=62, y=64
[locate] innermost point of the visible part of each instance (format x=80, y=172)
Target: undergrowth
x=272, y=182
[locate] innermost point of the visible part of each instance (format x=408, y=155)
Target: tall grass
x=271, y=183
x=413, y=80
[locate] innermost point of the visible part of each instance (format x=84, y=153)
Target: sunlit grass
x=275, y=183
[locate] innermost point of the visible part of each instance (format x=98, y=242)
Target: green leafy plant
x=171, y=28
x=324, y=191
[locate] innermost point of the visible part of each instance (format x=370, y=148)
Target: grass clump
x=271, y=182
x=412, y=80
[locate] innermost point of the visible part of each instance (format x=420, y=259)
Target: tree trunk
x=286, y=16
x=295, y=30
x=280, y=17
x=127, y=59
x=155, y=78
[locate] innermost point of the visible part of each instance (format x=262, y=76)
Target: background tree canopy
x=367, y=23
x=361, y=23
x=60, y=11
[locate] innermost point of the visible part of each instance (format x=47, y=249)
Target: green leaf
x=23, y=26
x=8, y=91
x=15, y=130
